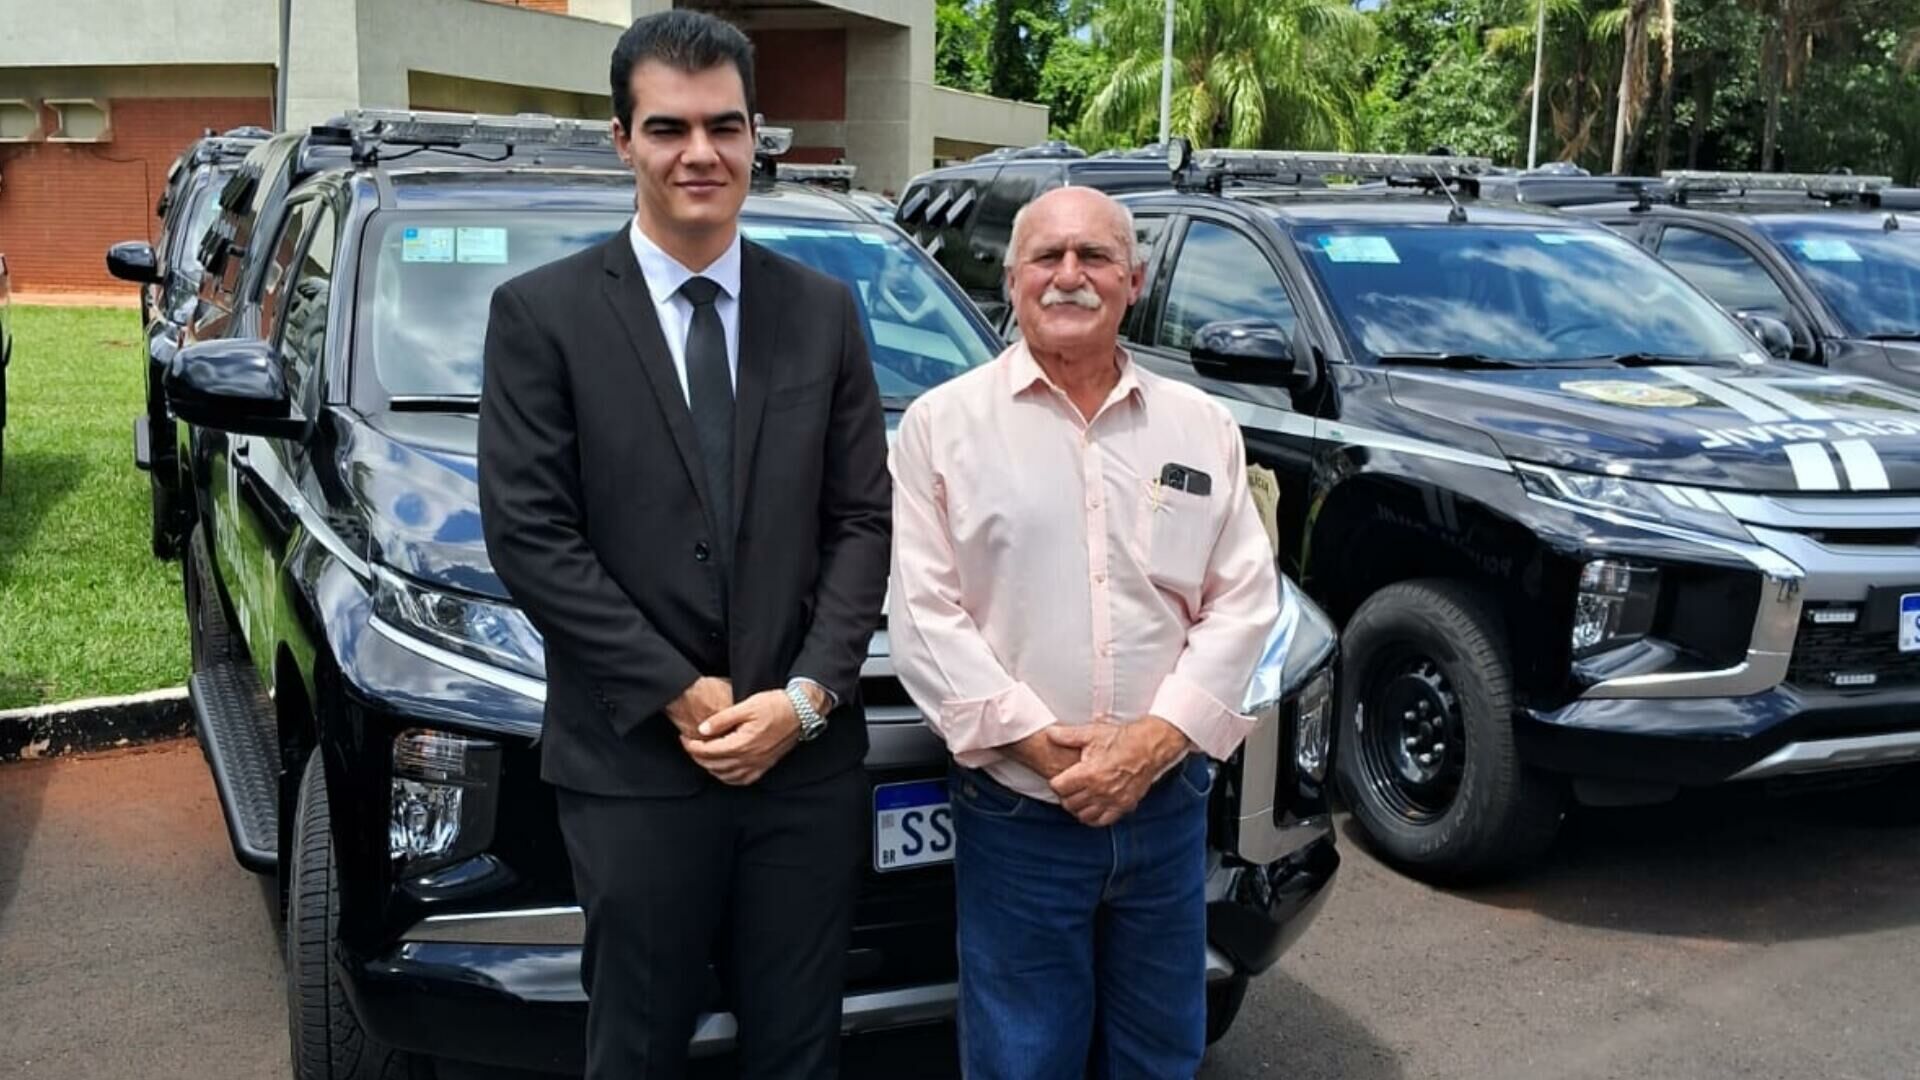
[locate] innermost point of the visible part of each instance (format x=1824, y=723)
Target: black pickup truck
x=1583, y=538
x=369, y=697
x=168, y=273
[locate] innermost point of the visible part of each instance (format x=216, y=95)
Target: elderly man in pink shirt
x=1081, y=591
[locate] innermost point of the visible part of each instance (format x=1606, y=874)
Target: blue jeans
x=1082, y=951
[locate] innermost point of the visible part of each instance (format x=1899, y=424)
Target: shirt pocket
x=1176, y=537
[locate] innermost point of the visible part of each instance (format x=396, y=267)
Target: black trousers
x=759, y=884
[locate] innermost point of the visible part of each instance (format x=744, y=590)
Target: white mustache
x=1083, y=296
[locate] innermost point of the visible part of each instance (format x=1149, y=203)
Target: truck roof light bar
x=1210, y=168
x=1811, y=183
x=836, y=177
x=371, y=128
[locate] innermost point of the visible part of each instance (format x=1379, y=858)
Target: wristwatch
x=811, y=722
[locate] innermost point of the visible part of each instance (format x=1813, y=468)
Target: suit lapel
x=626, y=292
x=760, y=310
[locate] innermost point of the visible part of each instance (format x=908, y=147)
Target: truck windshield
x=1529, y=295
x=1870, y=277
x=425, y=297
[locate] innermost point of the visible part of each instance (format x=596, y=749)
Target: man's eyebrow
x=731, y=116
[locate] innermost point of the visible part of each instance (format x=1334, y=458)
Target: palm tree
x=1247, y=73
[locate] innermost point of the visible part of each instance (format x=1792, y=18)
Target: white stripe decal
x=1797, y=408
x=1753, y=409
x=1812, y=468
x=1862, y=462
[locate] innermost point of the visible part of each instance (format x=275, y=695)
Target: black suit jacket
x=594, y=505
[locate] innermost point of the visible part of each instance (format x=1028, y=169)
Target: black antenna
x=1892, y=224
x=1457, y=215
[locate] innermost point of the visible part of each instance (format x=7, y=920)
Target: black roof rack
x=1211, y=170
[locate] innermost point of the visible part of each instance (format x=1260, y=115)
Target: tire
x=210, y=637
x=327, y=1040
x=1435, y=781
x=1223, y=1006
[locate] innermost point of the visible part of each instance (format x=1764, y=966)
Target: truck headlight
x=1615, y=604
x=1313, y=726
x=487, y=630
x=1669, y=504
x=444, y=790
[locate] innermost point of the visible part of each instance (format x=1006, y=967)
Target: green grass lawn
x=85, y=608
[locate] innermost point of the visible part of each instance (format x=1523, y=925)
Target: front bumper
x=502, y=988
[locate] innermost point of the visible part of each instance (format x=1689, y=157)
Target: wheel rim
x=1413, y=746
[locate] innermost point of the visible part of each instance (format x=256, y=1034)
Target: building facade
x=97, y=97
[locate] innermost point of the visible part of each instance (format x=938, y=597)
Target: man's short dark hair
x=688, y=41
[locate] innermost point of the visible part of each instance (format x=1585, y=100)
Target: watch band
x=811, y=722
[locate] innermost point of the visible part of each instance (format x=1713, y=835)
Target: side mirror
x=133, y=260
x=237, y=386
x=1253, y=351
x=1773, y=334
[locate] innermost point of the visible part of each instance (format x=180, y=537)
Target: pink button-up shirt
x=1042, y=574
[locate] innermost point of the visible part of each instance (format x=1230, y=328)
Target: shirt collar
x=665, y=275
x=1023, y=371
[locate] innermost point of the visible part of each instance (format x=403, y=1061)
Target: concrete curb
x=94, y=724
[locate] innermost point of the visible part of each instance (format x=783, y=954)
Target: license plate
x=1910, y=622
x=912, y=825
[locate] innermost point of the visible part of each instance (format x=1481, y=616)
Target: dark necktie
x=710, y=398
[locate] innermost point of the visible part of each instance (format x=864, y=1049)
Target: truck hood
x=1769, y=427
x=415, y=478
x=1904, y=355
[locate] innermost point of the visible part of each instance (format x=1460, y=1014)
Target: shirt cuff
x=1207, y=723
x=976, y=730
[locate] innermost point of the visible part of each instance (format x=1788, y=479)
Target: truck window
x=1723, y=270
x=1220, y=274
x=304, y=343
x=280, y=268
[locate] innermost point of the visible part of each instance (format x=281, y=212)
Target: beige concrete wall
x=177, y=81
x=66, y=33
x=960, y=117
x=431, y=90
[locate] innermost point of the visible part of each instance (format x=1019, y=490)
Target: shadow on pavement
x=22, y=786
x=1735, y=864
x=1287, y=1030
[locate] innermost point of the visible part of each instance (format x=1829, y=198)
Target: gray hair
x=1136, y=258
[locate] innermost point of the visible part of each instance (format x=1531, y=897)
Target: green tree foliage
x=1805, y=85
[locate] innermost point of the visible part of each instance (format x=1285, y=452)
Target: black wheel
x=327, y=1040
x=1223, y=1005
x=210, y=637
x=1427, y=761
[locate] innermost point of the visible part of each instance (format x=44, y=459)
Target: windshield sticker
x=1569, y=236
x=418, y=245
x=1359, y=249
x=481, y=245
x=1621, y=392
x=763, y=232
x=1827, y=249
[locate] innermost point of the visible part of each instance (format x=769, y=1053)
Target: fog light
x=1615, y=604
x=1313, y=726
x=443, y=798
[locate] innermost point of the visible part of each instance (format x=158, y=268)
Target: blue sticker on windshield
x=1359, y=249
x=1827, y=249
x=426, y=245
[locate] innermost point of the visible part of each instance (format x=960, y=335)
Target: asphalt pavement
x=1730, y=935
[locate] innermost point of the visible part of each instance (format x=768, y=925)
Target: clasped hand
x=735, y=741
x=1102, y=770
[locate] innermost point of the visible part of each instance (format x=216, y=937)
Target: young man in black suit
x=683, y=480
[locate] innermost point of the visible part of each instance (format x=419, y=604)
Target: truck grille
x=1824, y=657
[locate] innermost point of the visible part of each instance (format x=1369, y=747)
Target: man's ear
x=1138, y=284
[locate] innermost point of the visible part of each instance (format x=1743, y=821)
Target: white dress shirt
x=664, y=277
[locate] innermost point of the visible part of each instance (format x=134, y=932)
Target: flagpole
x=1539, y=62
x=1166, y=78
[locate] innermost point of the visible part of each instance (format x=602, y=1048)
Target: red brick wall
x=63, y=204
x=801, y=74
x=557, y=7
